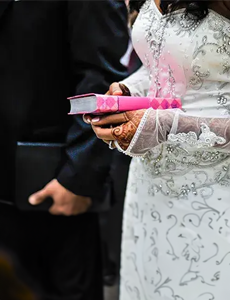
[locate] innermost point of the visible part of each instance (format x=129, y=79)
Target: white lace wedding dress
x=176, y=228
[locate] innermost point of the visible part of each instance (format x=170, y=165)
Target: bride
x=176, y=228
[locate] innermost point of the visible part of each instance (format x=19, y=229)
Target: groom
x=50, y=50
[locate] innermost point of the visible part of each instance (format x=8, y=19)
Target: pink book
x=102, y=104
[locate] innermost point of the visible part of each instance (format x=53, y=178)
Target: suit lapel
x=3, y=6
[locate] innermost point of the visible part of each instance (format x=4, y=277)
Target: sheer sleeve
x=138, y=83
x=174, y=126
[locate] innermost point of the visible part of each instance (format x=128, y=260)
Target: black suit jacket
x=50, y=50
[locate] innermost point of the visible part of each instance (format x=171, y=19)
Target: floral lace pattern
x=207, y=138
x=173, y=126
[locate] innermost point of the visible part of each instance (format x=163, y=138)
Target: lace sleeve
x=138, y=83
x=174, y=126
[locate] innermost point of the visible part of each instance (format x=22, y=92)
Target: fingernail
x=95, y=120
x=86, y=120
x=32, y=200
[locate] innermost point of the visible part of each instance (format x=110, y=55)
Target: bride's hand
x=117, y=127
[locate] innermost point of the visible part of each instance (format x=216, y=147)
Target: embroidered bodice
x=191, y=58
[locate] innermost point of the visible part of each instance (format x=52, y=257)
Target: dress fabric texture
x=176, y=227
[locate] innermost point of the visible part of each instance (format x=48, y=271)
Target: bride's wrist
x=166, y=119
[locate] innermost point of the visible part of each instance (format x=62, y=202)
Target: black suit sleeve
x=98, y=38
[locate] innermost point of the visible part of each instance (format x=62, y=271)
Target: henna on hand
x=135, y=116
x=124, y=133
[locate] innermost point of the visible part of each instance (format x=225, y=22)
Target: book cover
x=101, y=104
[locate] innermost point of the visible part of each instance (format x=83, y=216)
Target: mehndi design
x=125, y=132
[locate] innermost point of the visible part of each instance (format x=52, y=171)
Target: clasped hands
x=119, y=127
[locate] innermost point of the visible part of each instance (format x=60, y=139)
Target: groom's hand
x=64, y=202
